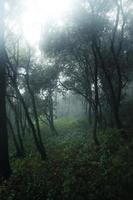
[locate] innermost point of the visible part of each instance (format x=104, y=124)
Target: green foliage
x=75, y=169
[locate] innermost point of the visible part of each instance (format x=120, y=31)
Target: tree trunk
x=39, y=146
x=118, y=123
x=18, y=127
x=18, y=151
x=51, y=114
x=5, y=170
x=39, y=138
x=95, y=98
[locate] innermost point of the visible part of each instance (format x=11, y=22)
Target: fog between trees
x=67, y=96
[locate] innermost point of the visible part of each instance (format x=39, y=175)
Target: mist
x=66, y=99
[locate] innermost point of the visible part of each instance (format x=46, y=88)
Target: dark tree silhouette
x=5, y=170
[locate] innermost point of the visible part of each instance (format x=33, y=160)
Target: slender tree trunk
x=18, y=150
x=115, y=101
x=100, y=117
x=51, y=114
x=90, y=114
x=22, y=124
x=117, y=117
x=39, y=146
x=52, y=127
x=42, y=148
x=5, y=170
x=95, y=115
x=18, y=127
x=95, y=98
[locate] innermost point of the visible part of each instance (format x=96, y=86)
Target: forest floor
x=75, y=169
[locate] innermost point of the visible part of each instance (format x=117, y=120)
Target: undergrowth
x=75, y=169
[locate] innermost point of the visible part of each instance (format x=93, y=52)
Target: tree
x=5, y=170
x=13, y=69
x=92, y=53
x=43, y=81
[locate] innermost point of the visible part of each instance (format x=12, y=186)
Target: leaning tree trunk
x=5, y=170
x=42, y=148
x=39, y=146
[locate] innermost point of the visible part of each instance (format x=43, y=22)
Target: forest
x=66, y=99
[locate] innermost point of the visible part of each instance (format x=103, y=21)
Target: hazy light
x=39, y=12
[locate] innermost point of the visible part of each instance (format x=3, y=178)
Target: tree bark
x=5, y=170
x=95, y=98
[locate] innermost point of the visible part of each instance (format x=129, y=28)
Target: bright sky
x=38, y=12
